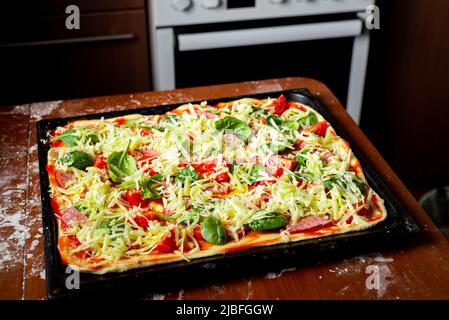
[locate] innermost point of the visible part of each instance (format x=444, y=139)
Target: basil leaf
x=78, y=159
x=213, y=231
x=273, y=120
x=331, y=182
x=190, y=172
x=72, y=136
x=69, y=137
x=309, y=120
x=273, y=220
x=238, y=127
x=121, y=165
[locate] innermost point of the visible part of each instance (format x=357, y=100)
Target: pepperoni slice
x=310, y=223
x=72, y=214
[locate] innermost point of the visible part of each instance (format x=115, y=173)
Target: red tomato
x=167, y=244
x=101, y=163
x=280, y=104
x=205, y=166
x=222, y=177
x=263, y=120
x=320, y=128
x=295, y=105
x=120, y=121
x=141, y=221
x=197, y=233
x=145, y=132
x=144, y=160
x=277, y=172
x=55, y=207
x=57, y=144
x=134, y=199
x=74, y=241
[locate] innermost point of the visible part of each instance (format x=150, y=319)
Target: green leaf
x=121, y=165
x=274, y=121
x=72, y=136
x=69, y=137
x=238, y=127
x=309, y=120
x=333, y=181
x=273, y=220
x=301, y=162
x=360, y=185
x=213, y=231
x=256, y=172
x=190, y=172
x=77, y=159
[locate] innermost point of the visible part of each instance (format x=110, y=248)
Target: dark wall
x=406, y=105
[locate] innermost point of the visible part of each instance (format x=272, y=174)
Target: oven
x=202, y=42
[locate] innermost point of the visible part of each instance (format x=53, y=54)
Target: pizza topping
x=77, y=159
x=272, y=220
x=72, y=214
x=309, y=223
x=200, y=175
x=213, y=231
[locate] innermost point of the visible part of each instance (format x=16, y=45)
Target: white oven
x=200, y=42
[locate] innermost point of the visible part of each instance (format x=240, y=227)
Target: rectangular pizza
x=202, y=180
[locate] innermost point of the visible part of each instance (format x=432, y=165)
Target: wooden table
x=418, y=269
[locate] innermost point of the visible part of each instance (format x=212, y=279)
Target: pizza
x=202, y=180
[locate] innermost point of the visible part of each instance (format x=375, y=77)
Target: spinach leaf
x=309, y=120
x=121, y=164
x=213, y=231
x=78, y=159
x=190, y=172
x=238, y=127
x=273, y=220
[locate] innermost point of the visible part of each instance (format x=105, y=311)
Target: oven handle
x=269, y=35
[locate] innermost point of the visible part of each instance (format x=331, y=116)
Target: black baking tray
x=151, y=279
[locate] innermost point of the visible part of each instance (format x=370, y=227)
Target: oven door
x=322, y=51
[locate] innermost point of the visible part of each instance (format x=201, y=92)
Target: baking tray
x=168, y=276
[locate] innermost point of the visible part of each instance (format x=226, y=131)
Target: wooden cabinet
x=42, y=60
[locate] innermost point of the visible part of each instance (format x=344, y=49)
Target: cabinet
x=42, y=60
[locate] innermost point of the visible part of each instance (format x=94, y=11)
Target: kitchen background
x=405, y=105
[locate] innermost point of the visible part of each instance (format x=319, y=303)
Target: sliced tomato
x=197, y=233
x=120, y=121
x=320, y=128
x=263, y=120
x=74, y=241
x=145, y=132
x=205, y=167
x=280, y=104
x=55, y=207
x=167, y=244
x=222, y=177
x=101, y=163
x=134, y=199
x=57, y=144
x=276, y=172
x=145, y=160
x=296, y=105
x=141, y=221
